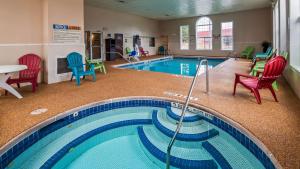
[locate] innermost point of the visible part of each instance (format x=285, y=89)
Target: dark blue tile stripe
x=216, y=155
x=185, y=119
x=62, y=152
x=181, y=136
x=174, y=161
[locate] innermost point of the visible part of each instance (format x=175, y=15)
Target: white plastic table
x=5, y=70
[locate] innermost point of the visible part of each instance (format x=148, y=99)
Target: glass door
x=93, y=41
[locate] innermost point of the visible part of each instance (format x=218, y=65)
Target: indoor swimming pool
x=173, y=65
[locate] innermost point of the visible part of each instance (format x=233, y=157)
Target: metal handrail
x=184, y=109
x=121, y=56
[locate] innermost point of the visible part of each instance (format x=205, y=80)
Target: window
x=282, y=26
x=227, y=35
x=204, y=34
x=184, y=37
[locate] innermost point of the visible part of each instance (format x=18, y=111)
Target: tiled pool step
x=195, y=152
x=175, y=161
x=175, y=114
x=227, y=155
x=199, y=127
x=194, y=133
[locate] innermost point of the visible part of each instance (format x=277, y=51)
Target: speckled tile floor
x=275, y=124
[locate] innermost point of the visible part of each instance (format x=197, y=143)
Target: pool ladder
x=179, y=125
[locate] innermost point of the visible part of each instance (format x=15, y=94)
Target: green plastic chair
x=259, y=67
x=98, y=64
x=128, y=50
x=247, y=53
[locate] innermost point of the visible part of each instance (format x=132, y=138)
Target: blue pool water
x=177, y=66
x=135, y=138
x=123, y=152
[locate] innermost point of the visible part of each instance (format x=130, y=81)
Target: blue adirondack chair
x=262, y=55
x=75, y=63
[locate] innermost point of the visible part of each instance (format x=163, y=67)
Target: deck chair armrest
x=260, y=53
x=93, y=61
x=260, y=67
x=238, y=75
x=261, y=56
x=259, y=59
x=36, y=71
x=33, y=70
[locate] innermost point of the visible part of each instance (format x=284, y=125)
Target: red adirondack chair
x=143, y=53
x=30, y=75
x=273, y=69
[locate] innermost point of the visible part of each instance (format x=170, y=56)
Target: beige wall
x=20, y=30
x=20, y=21
x=250, y=28
x=110, y=22
x=26, y=27
x=67, y=12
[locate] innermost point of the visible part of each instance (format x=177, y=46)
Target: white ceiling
x=171, y=9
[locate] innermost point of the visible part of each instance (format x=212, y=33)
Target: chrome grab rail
x=184, y=109
x=207, y=75
x=121, y=56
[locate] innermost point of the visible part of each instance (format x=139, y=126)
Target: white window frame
x=232, y=36
x=211, y=45
x=283, y=34
x=276, y=26
x=294, y=32
x=180, y=38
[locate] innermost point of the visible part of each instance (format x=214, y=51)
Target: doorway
x=94, y=45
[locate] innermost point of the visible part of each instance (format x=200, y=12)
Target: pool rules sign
x=66, y=34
